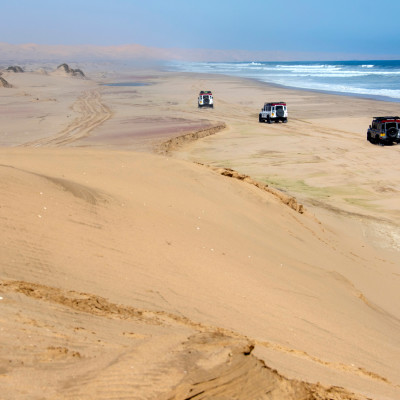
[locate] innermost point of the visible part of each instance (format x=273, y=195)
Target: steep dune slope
x=112, y=261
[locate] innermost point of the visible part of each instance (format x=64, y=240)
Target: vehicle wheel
x=277, y=121
x=369, y=137
x=392, y=133
x=260, y=118
x=268, y=120
x=285, y=121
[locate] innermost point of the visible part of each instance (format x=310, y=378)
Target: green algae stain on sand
x=351, y=195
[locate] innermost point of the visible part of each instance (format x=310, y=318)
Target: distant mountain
x=38, y=52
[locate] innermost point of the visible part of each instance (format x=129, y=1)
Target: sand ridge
x=174, y=143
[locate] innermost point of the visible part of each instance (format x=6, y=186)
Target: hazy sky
x=345, y=26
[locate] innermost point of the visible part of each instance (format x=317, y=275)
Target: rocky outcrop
x=14, y=68
x=4, y=83
x=65, y=70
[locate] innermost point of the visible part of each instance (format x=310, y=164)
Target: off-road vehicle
x=205, y=99
x=274, y=112
x=384, y=130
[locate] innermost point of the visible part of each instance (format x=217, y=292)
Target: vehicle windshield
x=279, y=107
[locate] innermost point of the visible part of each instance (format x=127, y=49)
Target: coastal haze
x=151, y=249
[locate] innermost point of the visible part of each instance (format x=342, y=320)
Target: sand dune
x=130, y=274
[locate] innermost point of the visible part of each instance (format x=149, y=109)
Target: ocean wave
x=321, y=71
x=307, y=66
x=378, y=78
x=348, y=89
x=330, y=70
x=342, y=74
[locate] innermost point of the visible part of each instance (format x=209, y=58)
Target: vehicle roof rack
x=384, y=118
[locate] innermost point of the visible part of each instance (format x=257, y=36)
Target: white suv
x=273, y=112
x=205, y=99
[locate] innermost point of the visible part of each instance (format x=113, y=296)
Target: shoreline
x=322, y=91
x=328, y=92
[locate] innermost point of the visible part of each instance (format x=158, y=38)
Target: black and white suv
x=384, y=130
x=205, y=99
x=274, y=112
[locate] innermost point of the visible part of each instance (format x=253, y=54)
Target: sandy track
x=92, y=112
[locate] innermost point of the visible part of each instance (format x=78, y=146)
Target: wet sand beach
x=154, y=250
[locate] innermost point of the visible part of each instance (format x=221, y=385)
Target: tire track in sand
x=100, y=306
x=92, y=112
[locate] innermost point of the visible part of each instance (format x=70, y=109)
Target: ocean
x=370, y=79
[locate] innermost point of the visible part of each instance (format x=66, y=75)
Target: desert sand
x=154, y=250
